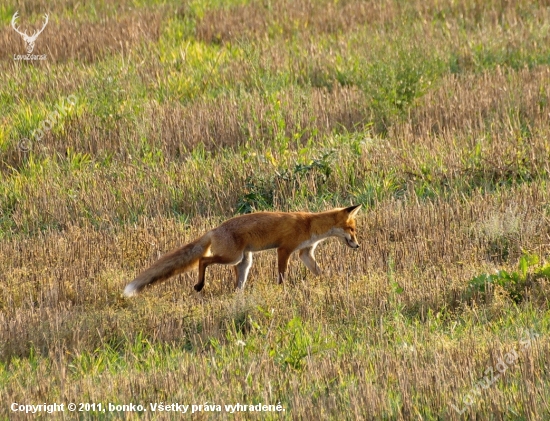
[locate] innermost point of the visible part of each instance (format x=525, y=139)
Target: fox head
x=346, y=226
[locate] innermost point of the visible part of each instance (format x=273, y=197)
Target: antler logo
x=29, y=40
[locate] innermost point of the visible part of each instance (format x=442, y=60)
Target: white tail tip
x=130, y=290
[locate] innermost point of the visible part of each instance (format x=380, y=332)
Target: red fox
x=234, y=241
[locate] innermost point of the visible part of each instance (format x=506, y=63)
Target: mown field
x=149, y=123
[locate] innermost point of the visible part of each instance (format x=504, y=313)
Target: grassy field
x=148, y=123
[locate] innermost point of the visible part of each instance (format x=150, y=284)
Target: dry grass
x=66, y=40
x=287, y=18
x=432, y=114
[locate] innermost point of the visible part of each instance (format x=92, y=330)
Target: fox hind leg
x=204, y=262
x=241, y=270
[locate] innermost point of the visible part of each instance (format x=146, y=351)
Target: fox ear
x=352, y=210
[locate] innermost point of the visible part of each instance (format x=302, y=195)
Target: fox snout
x=352, y=243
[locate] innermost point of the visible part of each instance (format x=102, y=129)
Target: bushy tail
x=181, y=260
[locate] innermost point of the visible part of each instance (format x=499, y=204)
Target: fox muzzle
x=351, y=243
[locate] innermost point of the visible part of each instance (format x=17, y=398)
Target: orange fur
x=234, y=242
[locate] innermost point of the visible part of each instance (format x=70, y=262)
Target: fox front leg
x=282, y=255
x=309, y=260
